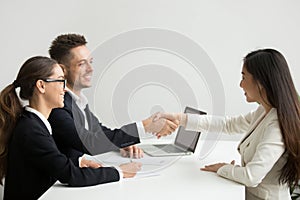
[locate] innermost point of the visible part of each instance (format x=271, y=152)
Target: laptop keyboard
x=169, y=148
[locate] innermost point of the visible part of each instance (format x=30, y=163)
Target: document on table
x=151, y=166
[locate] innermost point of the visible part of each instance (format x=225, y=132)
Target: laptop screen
x=188, y=139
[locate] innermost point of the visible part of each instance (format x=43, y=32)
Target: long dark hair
x=271, y=70
x=10, y=107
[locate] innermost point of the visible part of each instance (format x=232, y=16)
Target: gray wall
x=222, y=32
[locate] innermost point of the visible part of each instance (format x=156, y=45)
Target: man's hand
x=130, y=169
x=160, y=126
x=89, y=163
x=132, y=152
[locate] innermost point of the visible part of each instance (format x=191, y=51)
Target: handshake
x=159, y=124
x=163, y=124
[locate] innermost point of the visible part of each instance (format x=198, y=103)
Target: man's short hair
x=60, y=49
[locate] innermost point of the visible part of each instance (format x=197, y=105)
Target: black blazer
x=35, y=163
x=68, y=127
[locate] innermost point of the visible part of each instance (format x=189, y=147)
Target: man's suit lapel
x=88, y=116
x=77, y=114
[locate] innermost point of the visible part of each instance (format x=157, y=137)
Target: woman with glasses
x=29, y=159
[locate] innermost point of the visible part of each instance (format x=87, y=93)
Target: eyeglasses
x=48, y=80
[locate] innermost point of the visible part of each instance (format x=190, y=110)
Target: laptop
x=185, y=142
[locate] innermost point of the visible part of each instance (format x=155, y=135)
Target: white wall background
x=226, y=30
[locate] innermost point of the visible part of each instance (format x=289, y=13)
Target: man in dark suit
x=75, y=126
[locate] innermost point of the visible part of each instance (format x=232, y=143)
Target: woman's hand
x=130, y=169
x=215, y=167
x=89, y=163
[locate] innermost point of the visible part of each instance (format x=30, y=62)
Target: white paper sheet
x=151, y=166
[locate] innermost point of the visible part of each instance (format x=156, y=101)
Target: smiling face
x=54, y=88
x=250, y=86
x=79, y=71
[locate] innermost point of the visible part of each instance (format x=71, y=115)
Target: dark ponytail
x=10, y=109
x=10, y=106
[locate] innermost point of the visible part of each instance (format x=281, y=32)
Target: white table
x=180, y=180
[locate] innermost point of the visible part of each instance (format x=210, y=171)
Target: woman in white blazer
x=270, y=149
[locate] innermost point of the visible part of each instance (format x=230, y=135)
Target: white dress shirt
x=81, y=102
